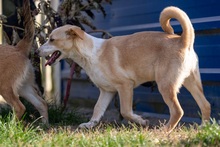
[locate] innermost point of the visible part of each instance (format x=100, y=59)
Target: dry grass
x=63, y=132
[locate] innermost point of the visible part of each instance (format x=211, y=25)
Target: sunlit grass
x=62, y=133
x=13, y=132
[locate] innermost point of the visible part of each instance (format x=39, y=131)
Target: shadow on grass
x=57, y=116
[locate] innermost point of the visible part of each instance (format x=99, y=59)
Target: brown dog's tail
x=176, y=13
x=25, y=44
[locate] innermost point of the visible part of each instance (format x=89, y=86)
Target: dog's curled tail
x=25, y=44
x=176, y=13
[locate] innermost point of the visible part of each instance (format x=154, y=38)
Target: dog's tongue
x=53, y=58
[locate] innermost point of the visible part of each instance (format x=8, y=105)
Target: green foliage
x=75, y=12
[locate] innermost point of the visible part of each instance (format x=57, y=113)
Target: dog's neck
x=89, y=51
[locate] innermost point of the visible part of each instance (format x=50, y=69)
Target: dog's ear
x=75, y=32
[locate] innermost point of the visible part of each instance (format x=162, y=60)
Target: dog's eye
x=51, y=39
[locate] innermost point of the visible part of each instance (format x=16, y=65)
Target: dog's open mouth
x=51, y=59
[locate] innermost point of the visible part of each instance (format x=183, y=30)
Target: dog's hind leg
x=194, y=86
x=14, y=101
x=29, y=93
x=125, y=92
x=169, y=94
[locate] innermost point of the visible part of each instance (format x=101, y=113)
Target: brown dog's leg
x=14, y=102
x=170, y=97
x=194, y=86
x=125, y=92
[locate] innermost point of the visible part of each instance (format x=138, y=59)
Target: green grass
x=208, y=135
x=14, y=133
x=63, y=133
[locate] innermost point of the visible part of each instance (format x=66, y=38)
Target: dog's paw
x=44, y=126
x=146, y=123
x=88, y=125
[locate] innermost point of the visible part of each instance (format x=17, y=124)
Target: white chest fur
x=92, y=67
x=99, y=78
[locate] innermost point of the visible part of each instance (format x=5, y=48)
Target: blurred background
x=121, y=17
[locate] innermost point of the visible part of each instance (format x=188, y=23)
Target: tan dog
x=17, y=74
x=122, y=63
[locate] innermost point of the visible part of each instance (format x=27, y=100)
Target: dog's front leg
x=100, y=107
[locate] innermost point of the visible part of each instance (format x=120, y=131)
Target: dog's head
x=60, y=43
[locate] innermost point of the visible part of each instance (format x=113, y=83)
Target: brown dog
x=122, y=63
x=17, y=75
